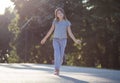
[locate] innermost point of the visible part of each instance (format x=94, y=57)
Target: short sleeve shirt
x=61, y=28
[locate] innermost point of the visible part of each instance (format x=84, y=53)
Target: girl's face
x=60, y=15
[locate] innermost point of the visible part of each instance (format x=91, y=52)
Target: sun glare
x=4, y=4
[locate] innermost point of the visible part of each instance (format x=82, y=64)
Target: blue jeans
x=59, y=49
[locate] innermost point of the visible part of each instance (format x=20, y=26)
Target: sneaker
x=56, y=72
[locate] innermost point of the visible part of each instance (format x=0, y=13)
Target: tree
x=5, y=35
x=95, y=22
x=105, y=15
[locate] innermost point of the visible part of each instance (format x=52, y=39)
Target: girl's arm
x=48, y=34
x=72, y=36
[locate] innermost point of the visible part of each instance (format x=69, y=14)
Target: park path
x=43, y=73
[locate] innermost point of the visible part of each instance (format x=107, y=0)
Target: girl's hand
x=77, y=41
x=43, y=41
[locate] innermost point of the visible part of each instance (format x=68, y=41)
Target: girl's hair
x=60, y=9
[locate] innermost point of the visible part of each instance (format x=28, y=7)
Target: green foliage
x=15, y=30
x=75, y=59
x=13, y=27
x=13, y=58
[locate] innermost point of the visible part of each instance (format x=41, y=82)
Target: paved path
x=41, y=73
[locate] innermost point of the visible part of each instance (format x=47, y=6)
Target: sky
x=4, y=4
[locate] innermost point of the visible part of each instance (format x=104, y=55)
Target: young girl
x=60, y=26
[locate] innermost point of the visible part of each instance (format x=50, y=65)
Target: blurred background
x=23, y=23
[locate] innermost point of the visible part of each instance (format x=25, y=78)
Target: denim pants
x=59, y=49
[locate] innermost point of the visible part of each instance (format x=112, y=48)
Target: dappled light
x=94, y=23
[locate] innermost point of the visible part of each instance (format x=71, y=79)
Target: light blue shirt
x=61, y=28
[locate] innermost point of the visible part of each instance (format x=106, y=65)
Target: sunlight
x=85, y=1
x=4, y=4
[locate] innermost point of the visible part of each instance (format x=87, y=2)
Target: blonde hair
x=60, y=9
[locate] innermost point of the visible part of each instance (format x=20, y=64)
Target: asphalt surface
x=43, y=73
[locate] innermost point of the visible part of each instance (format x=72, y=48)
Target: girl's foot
x=56, y=72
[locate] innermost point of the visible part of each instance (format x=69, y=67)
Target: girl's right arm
x=48, y=34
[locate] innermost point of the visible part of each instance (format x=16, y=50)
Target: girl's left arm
x=72, y=36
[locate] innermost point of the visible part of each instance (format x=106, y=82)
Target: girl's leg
x=56, y=46
x=62, y=49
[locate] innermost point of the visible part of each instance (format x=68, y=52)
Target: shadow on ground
x=70, y=79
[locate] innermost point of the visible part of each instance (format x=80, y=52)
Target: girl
x=60, y=26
